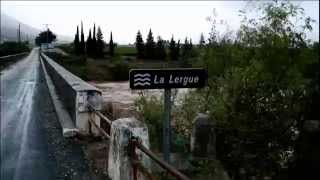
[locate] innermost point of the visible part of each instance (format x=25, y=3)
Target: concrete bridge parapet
x=74, y=95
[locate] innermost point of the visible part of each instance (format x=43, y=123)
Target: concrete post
x=203, y=137
x=83, y=114
x=119, y=163
x=95, y=100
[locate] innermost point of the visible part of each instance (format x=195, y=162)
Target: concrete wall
x=74, y=94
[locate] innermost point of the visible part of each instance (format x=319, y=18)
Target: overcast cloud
x=124, y=19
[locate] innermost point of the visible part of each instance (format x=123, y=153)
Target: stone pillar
x=119, y=163
x=203, y=138
x=95, y=100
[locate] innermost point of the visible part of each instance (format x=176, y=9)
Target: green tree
x=111, y=46
x=177, y=49
x=160, y=49
x=94, y=40
x=202, y=42
x=150, y=46
x=139, y=45
x=190, y=44
x=258, y=91
x=100, y=43
x=89, y=44
x=45, y=37
x=173, y=49
x=82, y=43
x=187, y=48
x=76, y=42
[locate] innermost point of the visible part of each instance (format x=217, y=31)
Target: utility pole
x=167, y=125
x=19, y=34
x=0, y=30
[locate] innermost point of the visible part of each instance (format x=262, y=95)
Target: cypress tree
x=139, y=45
x=76, y=42
x=111, y=45
x=190, y=44
x=94, y=41
x=82, y=43
x=160, y=49
x=150, y=46
x=89, y=44
x=100, y=43
x=173, y=49
x=202, y=42
x=185, y=48
x=177, y=53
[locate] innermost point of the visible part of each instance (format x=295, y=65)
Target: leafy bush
x=258, y=90
x=151, y=109
x=126, y=51
x=45, y=37
x=120, y=71
x=9, y=48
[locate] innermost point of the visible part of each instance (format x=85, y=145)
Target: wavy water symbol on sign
x=142, y=79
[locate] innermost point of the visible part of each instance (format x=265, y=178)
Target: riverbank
x=121, y=98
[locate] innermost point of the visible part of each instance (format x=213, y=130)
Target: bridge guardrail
x=136, y=143
x=92, y=122
x=8, y=58
x=75, y=94
x=84, y=104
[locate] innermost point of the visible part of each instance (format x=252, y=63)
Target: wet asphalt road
x=23, y=148
x=32, y=146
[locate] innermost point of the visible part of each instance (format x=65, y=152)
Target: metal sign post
x=167, y=79
x=167, y=125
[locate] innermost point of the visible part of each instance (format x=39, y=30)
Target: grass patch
x=105, y=69
x=126, y=50
x=153, y=64
x=68, y=48
x=10, y=48
x=92, y=69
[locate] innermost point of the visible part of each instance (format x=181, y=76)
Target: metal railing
x=8, y=58
x=135, y=143
x=102, y=131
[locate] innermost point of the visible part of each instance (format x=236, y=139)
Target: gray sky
x=124, y=19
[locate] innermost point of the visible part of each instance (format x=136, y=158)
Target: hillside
x=9, y=27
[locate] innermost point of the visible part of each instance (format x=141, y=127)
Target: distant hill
x=9, y=31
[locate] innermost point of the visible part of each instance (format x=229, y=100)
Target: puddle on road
x=30, y=81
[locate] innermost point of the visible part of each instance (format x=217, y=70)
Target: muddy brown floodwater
x=120, y=92
x=120, y=98
x=120, y=95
